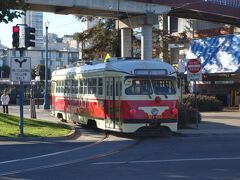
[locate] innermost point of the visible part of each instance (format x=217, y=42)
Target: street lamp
x=46, y=95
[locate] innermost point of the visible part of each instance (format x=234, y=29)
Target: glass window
x=92, y=86
x=81, y=88
x=163, y=87
x=100, y=86
x=118, y=88
x=139, y=87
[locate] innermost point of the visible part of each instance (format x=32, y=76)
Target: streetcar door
x=112, y=103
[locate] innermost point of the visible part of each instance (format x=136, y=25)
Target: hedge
x=205, y=103
x=187, y=115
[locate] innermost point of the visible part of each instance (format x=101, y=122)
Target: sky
x=58, y=24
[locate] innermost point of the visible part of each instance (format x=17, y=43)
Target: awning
x=219, y=54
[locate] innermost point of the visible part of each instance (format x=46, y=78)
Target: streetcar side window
x=92, y=89
x=100, y=86
x=81, y=88
x=62, y=86
x=74, y=86
x=85, y=86
x=118, y=88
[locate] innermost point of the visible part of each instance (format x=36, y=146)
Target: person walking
x=5, y=100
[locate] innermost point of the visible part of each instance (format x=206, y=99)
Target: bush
x=205, y=103
x=187, y=115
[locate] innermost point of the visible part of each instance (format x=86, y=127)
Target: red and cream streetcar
x=119, y=95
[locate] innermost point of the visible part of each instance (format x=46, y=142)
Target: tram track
x=68, y=157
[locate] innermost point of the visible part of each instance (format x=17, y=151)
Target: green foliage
x=187, y=115
x=205, y=103
x=10, y=10
x=99, y=40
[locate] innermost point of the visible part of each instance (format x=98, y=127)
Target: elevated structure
x=144, y=14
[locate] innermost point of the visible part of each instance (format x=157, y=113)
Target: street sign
x=21, y=69
x=194, y=66
x=194, y=70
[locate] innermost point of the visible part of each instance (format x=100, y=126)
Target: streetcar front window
x=161, y=86
x=139, y=87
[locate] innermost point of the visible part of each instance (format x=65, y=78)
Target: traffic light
x=29, y=37
x=15, y=36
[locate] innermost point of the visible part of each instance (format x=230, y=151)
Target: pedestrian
x=5, y=100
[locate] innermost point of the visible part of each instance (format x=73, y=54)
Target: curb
x=69, y=136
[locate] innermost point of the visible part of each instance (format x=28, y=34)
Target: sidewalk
x=213, y=123
x=40, y=113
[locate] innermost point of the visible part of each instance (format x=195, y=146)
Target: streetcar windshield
x=161, y=86
x=147, y=86
x=139, y=87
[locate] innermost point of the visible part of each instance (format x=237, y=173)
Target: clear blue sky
x=58, y=24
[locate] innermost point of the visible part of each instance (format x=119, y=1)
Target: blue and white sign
x=219, y=54
x=21, y=69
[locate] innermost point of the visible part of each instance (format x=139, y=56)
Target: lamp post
x=46, y=95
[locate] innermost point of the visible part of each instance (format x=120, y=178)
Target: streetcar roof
x=124, y=66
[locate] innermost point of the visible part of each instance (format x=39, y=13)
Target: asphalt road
x=111, y=157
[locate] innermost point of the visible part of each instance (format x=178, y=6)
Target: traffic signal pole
x=29, y=42
x=21, y=98
x=46, y=95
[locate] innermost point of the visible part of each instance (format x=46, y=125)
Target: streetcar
x=123, y=95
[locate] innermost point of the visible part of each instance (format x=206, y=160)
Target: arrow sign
x=21, y=69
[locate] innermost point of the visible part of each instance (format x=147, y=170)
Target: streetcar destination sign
x=21, y=69
x=194, y=70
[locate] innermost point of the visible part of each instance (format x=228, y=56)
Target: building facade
x=56, y=58
x=35, y=19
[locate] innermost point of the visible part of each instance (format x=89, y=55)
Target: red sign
x=194, y=66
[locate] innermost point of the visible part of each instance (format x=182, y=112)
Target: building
x=57, y=58
x=35, y=19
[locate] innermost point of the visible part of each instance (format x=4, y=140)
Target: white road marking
x=50, y=154
x=167, y=160
x=58, y=164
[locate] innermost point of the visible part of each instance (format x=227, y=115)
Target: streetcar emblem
x=154, y=111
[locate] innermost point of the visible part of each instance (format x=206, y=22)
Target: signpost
x=21, y=73
x=194, y=73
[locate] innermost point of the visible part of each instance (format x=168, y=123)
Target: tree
x=10, y=10
x=99, y=40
